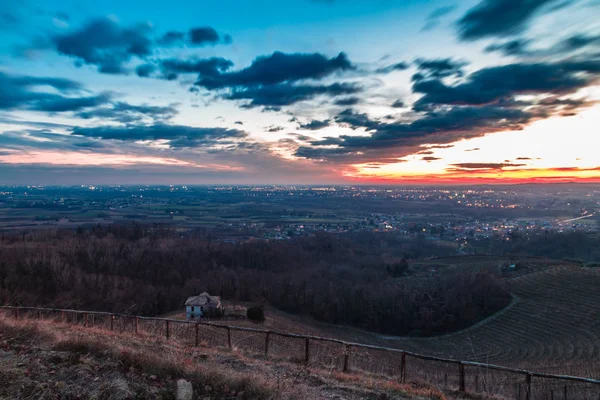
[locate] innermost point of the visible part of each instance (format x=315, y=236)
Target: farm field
x=553, y=325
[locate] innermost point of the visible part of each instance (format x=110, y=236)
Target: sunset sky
x=299, y=92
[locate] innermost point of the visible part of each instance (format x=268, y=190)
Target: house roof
x=202, y=299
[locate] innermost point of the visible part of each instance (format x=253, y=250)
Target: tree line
x=361, y=279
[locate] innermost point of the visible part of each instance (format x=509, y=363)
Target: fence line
x=348, y=346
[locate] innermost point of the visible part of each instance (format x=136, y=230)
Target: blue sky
x=303, y=91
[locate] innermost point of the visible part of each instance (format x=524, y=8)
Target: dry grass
x=45, y=359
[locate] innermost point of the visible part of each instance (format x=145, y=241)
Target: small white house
x=203, y=305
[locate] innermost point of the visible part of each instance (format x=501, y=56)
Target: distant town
x=453, y=215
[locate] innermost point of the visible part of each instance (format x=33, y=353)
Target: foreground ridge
x=42, y=358
x=347, y=350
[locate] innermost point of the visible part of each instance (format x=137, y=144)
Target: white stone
x=184, y=390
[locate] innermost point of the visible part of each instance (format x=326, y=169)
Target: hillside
x=45, y=359
x=552, y=325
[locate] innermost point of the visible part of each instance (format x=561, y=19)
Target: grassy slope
x=47, y=360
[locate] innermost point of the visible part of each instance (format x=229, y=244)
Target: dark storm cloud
x=96, y=144
x=102, y=42
x=127, y=113
x=17, y=90
x=580, y=41
x=355, y=120
x=404, y=137
x=200, y=36
x=316, y=124
x=500, y=18
x=285, y=94
x=496, y=84
x=44, y=139
x=569, y=45
x=21, y=92
x=430, y=158
x=204, y=35
x=439, y=68
x=478, y=166
x=171, y=68
x=145, y=70
x=29, y=123
x=347, y=101
x=473, y=149
x=271, y=81
x=302, y=138
x=35, y=138
x=511, y=47
x=178, y=136
x=456, y=119
x=109, y=46
x=171, y=37
x=401, y=66
x=398, y=104
x=563, y=107
x=278, y=68
x=62, y=104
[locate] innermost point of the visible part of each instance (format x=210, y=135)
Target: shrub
x=255, y=314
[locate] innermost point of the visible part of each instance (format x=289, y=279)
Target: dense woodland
x=360, y=279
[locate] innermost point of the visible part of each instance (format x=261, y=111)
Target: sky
x=299, y=92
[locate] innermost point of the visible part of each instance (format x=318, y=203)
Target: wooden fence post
x=39, y=314
x=167, y=329
x=196, y=341
x=551, y=394
x=267, y=337
x=403, y=368
x=16, y=313
x=112, y=321
x=229, y=337
x=461, y=377
x=565, y=392
x=346, y=355
x=137, y=326
x=85, y=320
x=476, y=383
x=306, y=349
x=528, y=382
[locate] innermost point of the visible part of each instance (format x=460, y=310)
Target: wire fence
x=335, y=354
